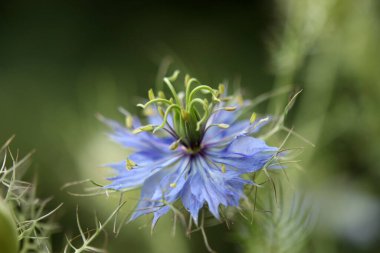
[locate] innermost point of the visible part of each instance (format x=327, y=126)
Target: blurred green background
x=61, y=62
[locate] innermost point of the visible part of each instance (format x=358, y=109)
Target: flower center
x=193, y=151
x=185, y=115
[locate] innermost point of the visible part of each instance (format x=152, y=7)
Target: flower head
x=194, y=149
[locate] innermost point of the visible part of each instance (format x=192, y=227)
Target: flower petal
x=157, y=190
x=246, y=154
x=127, y=179
x=207, y=183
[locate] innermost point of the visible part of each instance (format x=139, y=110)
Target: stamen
x=146, y=128
x=221, y=89
x=223, y=168
x=160, y=111
x=261, y=121
x=130, y=164
x=129, y=121
x=227, y=108
x=222, y=125
x=226, y=99
x=174, y=184
x=175, y=144
x=151, y=95
x=161, y=94
x=174, y=76
x=148, y=111
x=230, y=108
x=240, y=100
x=253, y=118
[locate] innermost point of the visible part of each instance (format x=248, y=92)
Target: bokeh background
x=61, y=62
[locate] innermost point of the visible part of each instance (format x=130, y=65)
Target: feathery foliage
x=26, y=212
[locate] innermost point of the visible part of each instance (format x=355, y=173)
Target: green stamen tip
x=161, y=111
x=223, y=168
x=151, y=95
x=175, y=144
x=148, y=111
x=161, y=94
x=187, y=78
x=215, y=99
x=130, y=164
x=253, y=118
x=129, y=121
x=230, y=108
x=146, y=128
x=173, y=77
x=221, y=89
x=223, y=126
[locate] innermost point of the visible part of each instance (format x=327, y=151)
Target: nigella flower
x=194, y=151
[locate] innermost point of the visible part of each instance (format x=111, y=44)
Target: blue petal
x=156, y=189
x=207, y=183
x=248, y=146
x=157, y=214
x=246, y=154
x=143, y=141
x=190, y=201
x=129, y=179
x=222, y=137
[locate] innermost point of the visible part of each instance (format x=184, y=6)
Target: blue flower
x=195, y=151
